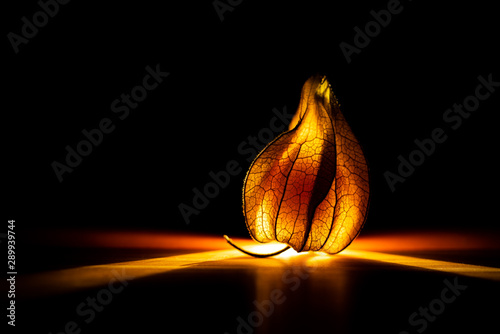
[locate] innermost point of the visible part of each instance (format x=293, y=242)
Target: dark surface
x=342, y=295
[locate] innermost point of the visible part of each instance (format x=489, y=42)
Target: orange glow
x=219, y=256
x=396, y=241
x=426, y=240
x=134, y=239
x=309, y=187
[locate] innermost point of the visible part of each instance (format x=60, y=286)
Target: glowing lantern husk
x=309, y=187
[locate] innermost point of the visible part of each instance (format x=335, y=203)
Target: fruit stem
x=229, y=241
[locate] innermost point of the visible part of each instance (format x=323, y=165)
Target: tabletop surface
x=109, y=281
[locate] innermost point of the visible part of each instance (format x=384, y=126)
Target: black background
x=225, y=79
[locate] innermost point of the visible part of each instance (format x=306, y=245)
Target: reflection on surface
x=444, y=266
x=60, y=281
x=286, y=284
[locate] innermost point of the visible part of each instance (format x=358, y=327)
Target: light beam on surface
x=66, y=280
x=218, y=256
x=443, y=266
